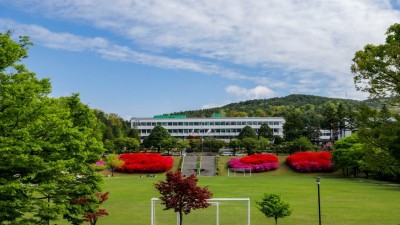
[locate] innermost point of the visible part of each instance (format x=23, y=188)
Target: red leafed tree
x=93, y=215
x=182, y=194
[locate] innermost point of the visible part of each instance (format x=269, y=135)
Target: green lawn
x=343, y=201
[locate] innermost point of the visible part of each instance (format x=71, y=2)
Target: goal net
x=223, y=211
x=232, y=172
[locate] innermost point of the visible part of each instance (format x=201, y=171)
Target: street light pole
x=318, y=179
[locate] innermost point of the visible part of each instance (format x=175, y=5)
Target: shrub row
x=145, y=163
x=257, y=162
x=306, y=162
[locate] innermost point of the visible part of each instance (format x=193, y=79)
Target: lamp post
x=318, y=179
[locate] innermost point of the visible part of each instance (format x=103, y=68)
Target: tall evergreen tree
x=294, y=127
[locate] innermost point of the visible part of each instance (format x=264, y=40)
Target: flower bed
x=308, y=162
x=145, y=163
x=99, y=165
x=257, y=162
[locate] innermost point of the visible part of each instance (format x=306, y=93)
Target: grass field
x=344, y=201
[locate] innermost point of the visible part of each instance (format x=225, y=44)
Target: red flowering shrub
x=306, y=162
x=256, y=162
x=145, y=163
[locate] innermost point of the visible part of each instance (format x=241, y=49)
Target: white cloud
x=109, y=50
x=259, y=92
x=213, y=105
x=311, y=43
x=313, y=35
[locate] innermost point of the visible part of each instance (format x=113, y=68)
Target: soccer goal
x=232, y=172
x=223, y=211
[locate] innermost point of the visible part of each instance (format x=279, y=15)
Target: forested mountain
x=276, y=106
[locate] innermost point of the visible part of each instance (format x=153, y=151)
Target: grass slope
x=343, y=201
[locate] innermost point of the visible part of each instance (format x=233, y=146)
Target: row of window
x=206, y=123
x=201, y=131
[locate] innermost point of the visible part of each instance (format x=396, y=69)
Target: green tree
x=234, y=144
x=155, y=137
x=214, y=144
x=109, y=145
x=263, y=143
x=247, y=132
x=376, y=67
x=249, y=144
x=341, y=115
x=278, y=140
x=183, y=145
x=265, y=131
x=134, y=133
x=348, y=153
x=294, y=126
x=114, y=162
x=300, y=144
x=123, y=144
x=330, y=120
x=260, y=113
x=272, y=206
x=169, y=143
x=47, y=146
x=195, y=144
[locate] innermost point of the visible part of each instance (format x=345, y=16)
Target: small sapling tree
x=114, y=162
x=182, y=194
x=272, y=206
x=92, y=209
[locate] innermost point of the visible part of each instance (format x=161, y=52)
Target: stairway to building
x=190, y=165
x=207, y=166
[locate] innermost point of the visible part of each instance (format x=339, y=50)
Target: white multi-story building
x=180, y=126
x=215, y=127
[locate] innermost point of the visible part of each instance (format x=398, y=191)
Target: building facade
x=221, y=128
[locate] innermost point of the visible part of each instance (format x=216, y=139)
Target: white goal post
x=212, y=201
x=242, y=171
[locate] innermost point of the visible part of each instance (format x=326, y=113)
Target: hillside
x=275, y=106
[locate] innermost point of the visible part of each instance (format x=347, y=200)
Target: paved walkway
x=207, y=166
x=190, y=165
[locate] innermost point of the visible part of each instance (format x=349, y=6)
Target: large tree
x=182, y=194
x=272, y=206
x=294, y=126
x=249, y=144
x=348, y=153
x=169, y=143
x=46, y=146
x=213, y=144
x=265, y=131
x=123, y=144
x=377, y=67
x=155, y=137
x=247, y=132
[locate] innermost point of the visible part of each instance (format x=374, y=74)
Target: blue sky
x=142, y=58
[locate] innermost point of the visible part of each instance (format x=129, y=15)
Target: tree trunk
x=180, y=218
x=276, y=220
